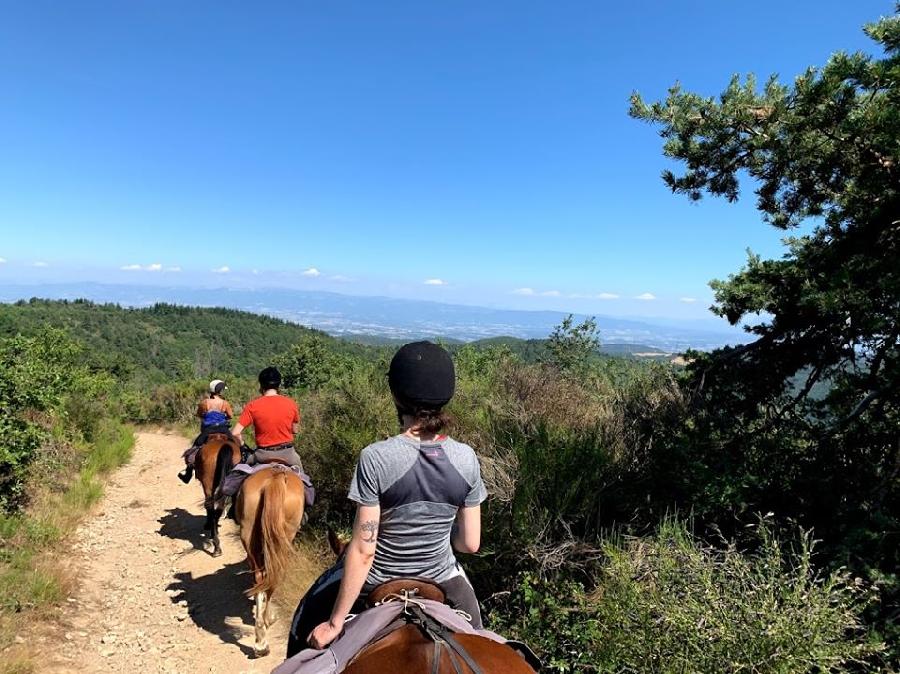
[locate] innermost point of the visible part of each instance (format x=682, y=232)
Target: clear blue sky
x=380, y=145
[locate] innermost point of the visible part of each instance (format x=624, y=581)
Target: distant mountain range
x=382, y=317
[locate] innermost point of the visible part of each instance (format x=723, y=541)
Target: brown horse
x=218, y=455
x=411, y=649
x=408, y=649
x=269, y=509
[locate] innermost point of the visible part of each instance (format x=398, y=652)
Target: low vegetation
x=60, y=436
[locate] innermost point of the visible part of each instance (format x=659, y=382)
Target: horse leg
x=214, y=516
x=271, y=615
x=261, y=647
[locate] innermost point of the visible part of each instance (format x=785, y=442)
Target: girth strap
x=442, y=637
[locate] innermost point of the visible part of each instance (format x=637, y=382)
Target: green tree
x=823, y=151
x=571, y=346
x=312, y=363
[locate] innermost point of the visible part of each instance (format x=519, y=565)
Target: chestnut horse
x=408, y=649
x=413, y=649
x=269, y=508
x=218, y=455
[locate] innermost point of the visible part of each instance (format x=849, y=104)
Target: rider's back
x=273, y=418
x=420, y=486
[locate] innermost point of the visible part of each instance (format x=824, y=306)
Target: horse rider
x=215, y=416
x=418, y=498
x=275, y=419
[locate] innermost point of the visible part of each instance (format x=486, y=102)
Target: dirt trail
x=148, y=597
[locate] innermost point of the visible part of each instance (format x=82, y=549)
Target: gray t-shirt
x=420, y=486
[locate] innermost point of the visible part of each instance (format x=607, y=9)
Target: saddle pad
x=365, y=628
x=309, y=490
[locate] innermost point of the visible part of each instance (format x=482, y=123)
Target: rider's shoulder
x=387, y=444
x=449, y=443
x=461, y=454
x=381, y=450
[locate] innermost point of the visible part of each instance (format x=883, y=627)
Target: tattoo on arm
x=370, y=531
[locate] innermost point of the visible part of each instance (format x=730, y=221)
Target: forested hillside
x=163, y=342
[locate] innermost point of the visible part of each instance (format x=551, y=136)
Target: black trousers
x=315, y=607
x=205, y=432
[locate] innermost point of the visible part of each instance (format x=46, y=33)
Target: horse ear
x=335, y=543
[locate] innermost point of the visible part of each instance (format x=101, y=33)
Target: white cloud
x=255, y=272
x=41, y=264
x=689, y=300
x=313, y=272
x=646, y=297
x=551, y=293
x=607, y=296
x=173, y=269
x=435, y=282
x=341, y=278
x=224, y=269
x=2, y=260
x=156, y=266
x=524, y=291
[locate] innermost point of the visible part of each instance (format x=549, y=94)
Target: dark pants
x=315, y=607
x=206, y=431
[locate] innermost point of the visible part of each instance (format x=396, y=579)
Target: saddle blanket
x=233, y=481
x=366, y=628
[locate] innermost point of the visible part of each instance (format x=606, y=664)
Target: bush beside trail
x=60, y=434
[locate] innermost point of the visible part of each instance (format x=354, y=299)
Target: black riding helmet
x=421, y=376
x=270, y=378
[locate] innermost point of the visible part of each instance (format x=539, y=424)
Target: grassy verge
x=31, y=581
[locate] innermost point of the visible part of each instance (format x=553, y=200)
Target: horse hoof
x=261, y=652
x=216, y=553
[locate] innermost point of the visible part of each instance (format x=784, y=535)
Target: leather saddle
x=419, y=588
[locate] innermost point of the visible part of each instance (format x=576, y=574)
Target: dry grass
x=312, y=559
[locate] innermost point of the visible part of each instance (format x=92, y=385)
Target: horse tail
x=272, y=531
x=224, y=465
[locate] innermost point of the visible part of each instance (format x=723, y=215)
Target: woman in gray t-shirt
x=418, y=497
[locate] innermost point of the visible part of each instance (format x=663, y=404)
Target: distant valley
x=377, y=318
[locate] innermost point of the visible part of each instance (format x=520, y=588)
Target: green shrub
x=670, y=603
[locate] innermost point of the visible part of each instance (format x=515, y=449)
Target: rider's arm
x=236, y=433
x=360, y=554
x=466, y=536
x=246, y=419
x=201, y=409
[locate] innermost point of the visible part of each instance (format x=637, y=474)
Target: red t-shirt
x=272, y=418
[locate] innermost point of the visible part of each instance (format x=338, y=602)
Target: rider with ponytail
x=418, y=498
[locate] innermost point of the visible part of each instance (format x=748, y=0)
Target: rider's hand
x=325, y=633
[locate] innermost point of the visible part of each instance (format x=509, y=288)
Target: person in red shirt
x=275, y=419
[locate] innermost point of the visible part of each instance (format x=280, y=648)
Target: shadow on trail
x=181, y=525
x=216, y=602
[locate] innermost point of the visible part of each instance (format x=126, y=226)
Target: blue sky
x=371, y=147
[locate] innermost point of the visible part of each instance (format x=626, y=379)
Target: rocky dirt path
x=148, y=597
